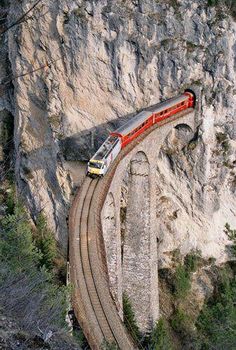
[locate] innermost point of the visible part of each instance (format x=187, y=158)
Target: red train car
x=142, y=121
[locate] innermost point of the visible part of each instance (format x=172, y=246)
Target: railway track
x=92, y=302
x=94, y=307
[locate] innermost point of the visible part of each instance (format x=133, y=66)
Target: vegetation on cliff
x=30, y=287
x=212, y=327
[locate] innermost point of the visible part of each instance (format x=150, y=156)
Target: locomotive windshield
x=94, y=164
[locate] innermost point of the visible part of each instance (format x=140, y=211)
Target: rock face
x=83, y=64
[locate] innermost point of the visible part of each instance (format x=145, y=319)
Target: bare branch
x=21, y=18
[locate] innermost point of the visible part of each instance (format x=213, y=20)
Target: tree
x=160, y=337
x=217, y=321
x=16, y=242
x=46, y=243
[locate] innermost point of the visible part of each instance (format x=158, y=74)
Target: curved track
x=92, y=301
x=94, y=306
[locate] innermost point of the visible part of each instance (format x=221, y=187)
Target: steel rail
x=87, y=260
x=93, y=304
x=81, y=302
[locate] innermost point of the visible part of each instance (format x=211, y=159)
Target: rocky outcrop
x=95, y=61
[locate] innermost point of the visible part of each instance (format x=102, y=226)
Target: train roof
x=168, y=103
x=133, y=123
x=105, y=149
x=138, y=119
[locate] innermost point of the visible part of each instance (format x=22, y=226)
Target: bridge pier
x=137, y=251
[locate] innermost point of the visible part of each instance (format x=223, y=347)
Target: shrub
x=232, y=236
x=109, y=346
x=213, y=2
x=16, y=243
x=10, y=199
x=216, y=323
x=27, y=291
x=229, y=5
x=129, y=318
x=181, y=282
x=46, y=243
x=181, y=323
x=160, y=338
x=31, y=297
x=191, y=261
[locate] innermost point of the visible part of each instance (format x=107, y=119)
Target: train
x=100, y=163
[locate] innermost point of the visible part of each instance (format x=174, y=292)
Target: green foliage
x=129, y=318
x=79, y=336
x=232, y=236
x=217, y=321
x=222, y=139
x=28, y=291
x=46, y=243
x=7, y=132
x=213, y=2
x=192, y=261
x=181, y=323
x=109, y=346
x=160, y=338
x=181, y=282
x=16, y=243
x=229, y=5
x=10, y=199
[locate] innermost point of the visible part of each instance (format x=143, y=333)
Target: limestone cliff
x=81, y=65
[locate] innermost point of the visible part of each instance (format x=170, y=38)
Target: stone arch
x=175, y=141
x=184, y=131
x=136, y=241
x=183, y=126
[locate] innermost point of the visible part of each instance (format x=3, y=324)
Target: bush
x=230, y=5
x=16, y=243
x=191, y=261
x=181, y=323
x=181, y=282
x=30, y=296
x=10, y=199
x=160, y=338
x=27, y=290
x=46, y=243
x=109, y=346
x=216, y=323
x=129, y=318
x=232, y=236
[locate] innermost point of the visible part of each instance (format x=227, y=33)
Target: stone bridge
x=129, y=223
